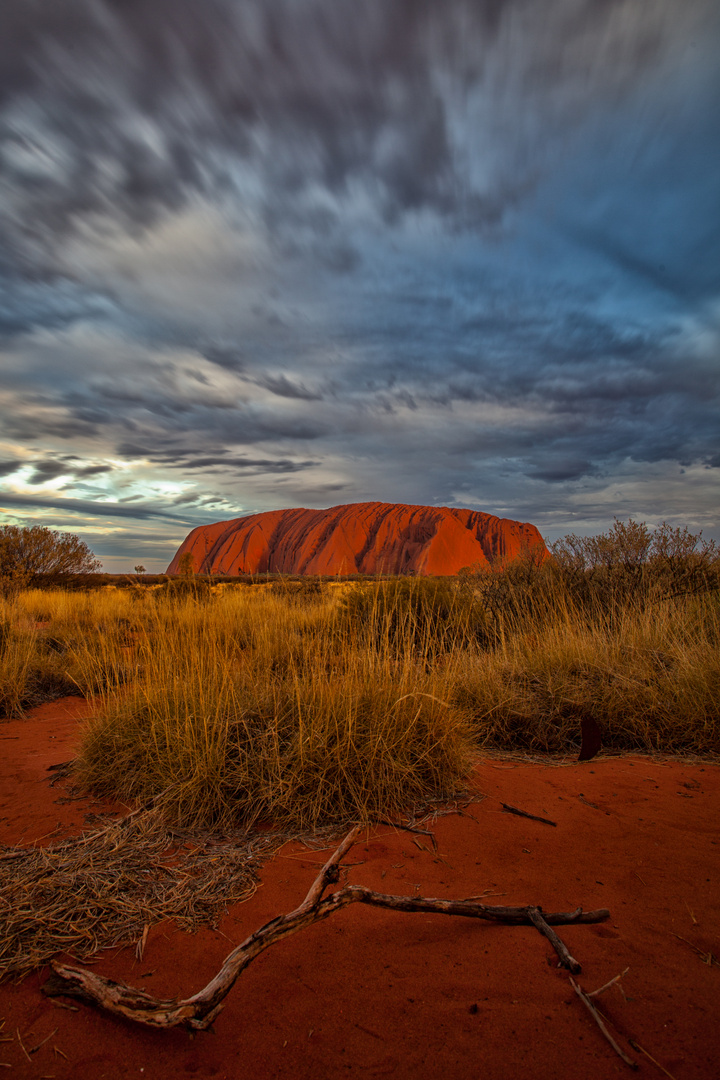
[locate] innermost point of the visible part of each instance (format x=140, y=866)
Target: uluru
x=357, y=538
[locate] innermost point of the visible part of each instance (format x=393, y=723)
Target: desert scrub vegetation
x=246, y=706
x=35, y=553
x=310, y=702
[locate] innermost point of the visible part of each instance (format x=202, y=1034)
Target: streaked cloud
x=301, y=252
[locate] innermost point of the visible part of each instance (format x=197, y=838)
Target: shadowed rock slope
x=359, y=538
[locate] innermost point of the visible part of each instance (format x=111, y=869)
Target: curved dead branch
x=201, y=1009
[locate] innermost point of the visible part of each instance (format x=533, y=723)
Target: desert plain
x=180, y=759
x=375, y=993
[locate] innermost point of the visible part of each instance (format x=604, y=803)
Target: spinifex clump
x=253, y=707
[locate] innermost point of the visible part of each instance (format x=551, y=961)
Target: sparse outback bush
x=37, y=555
x=632, y=563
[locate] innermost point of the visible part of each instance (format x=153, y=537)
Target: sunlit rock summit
x=358, y=538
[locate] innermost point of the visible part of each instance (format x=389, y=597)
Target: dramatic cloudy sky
x=270, y=253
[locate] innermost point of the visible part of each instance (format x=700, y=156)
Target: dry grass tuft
x=246, y=706
x=651, y=681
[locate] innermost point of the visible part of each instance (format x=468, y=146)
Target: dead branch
x=330, y=872
x=523, y=813
x=566, y=960
x=598, y=1020
x=202, y=1008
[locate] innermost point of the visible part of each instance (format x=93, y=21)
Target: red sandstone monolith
x=358, y=538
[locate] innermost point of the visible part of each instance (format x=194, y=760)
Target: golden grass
x=650, y=679
x=247, y=707
x=307, y=706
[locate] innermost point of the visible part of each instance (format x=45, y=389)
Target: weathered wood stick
x=202, y=1008
x=638, y=1047
x=599, y=1021
x=523, y=813
x=512, y=916
x=566, y=960
x=330, y=872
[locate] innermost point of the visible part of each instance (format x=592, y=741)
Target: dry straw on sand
x=104, y=888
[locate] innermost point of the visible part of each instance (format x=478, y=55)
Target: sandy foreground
x=376, y=993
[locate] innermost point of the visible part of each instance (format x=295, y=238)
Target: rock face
x=359, y=538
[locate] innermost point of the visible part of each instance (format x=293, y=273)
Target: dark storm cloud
x=140, y=511
x=184, y=458
x=218, y=458
x=27, y=427
x=566, y=391
x=281, y=386
x=265, y=465
x=476, y=235
x=225, y=356
x=91, y=470
x=51, y=303
x=50, y=468
x=344, y=90
x=47, y=470
x=561, y=471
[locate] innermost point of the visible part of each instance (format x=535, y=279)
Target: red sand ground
x=374, y=993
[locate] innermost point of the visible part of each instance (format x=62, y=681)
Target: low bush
x=36, y=552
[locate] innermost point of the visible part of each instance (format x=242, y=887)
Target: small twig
x=598, y=1020
x=602, y=989
x=330, y=872
x=638, y=1047
x=46, y=1039
x=523, y=813
x=140, y=947
x=22, y=1046
x=411, y=829
x=706, y=957
x=566, y=960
